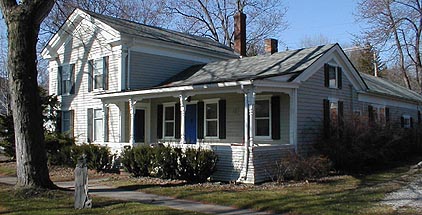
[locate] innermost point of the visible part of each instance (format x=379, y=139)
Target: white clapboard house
x=121, y=83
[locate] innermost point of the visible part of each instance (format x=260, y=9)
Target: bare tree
x=214, y=19
x=316, y=40
x=395, y=27
x=23, y=20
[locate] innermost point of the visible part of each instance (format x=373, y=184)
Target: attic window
x=333, y=76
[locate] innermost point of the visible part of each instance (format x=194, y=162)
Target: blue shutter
x=222, y=119
x=105, y=73
x=59, y=80
x=90, y=74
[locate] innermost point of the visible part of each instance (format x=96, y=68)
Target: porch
x=220, y=120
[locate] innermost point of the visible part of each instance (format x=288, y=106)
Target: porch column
x=132, y=103
x=293, y=118
x=182, y=118
x=251, y=107
x=105, y=122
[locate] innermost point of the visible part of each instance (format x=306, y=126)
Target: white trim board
x=365, y=97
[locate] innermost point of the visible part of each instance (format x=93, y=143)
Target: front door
x=140, y=126
x=190, y=124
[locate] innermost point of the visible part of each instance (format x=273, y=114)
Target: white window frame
x=97, y=71
x=264, y=98
x=406, y=118
x=66, y=69
x=336, y=76
x=208, y=102
x=169, y=105
x=377, y=113
x=98, y=137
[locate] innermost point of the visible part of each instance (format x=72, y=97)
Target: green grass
x=338, y=195
x=61, y=202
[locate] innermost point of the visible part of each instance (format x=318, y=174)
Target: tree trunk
x=31, y=158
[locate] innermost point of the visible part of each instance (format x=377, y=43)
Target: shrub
x=361, y=147
x=138, y=160
x=59, y=147
x=196, y=165
x=165, y=162
x=98, y=157
x=295, y=167
x=192, y=165
x=7, y=135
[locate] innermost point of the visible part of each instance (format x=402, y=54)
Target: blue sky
x=333, y=19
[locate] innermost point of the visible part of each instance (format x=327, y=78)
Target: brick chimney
x=271, y=46
x=240, y=33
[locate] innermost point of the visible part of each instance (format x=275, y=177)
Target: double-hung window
x=66, y=76
x=98, y=73
x=169, y=121
x=333, y=76
x=66, y=121
x=211, y=119
x=98, y=124
x=262, y=118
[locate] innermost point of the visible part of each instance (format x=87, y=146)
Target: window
x=169, y=121
x=98, y=73
x=66, y=121
x=262, y=118
x=98, y=124
x=406, y=121
x=378, y=114
x=211, y=119
x=333, y=112
x=333, y=76
x=66, y=83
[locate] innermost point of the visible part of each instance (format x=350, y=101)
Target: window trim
x=94, y=119
x=264, y=98
x=167, y=105
x=217, y=120
x=95, y=73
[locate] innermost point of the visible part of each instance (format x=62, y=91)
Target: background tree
x=365, y=58
x=214, y=19
x=316, y=40
x=395, y=28
x=23, y=20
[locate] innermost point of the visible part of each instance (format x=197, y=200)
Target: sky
x=333, y=19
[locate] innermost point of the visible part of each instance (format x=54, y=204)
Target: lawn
x=61, y=202
x=335, y=195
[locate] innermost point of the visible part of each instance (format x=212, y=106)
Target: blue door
x=190, y=124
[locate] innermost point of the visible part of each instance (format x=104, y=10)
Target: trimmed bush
x=192, y=165
x=295, y=167
x=138, y=160
x=98, y=157
x=166, y=162
x=196, y=165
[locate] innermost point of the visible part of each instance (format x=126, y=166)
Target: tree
x=365, y=58
x=395, y=27
x=23, y=20
x=214, y=19
x=316, y=40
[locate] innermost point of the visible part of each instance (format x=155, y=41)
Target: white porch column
x=182, y=118
x=132, y=103
x=105, y=122
x=293, y=118
x=251, y=107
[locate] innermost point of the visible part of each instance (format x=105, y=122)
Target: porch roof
x=250, y=68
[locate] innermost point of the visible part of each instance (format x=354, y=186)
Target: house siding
x=148, y=70
x=310, y=98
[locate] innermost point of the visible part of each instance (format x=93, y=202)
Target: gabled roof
x=151, y=32
x=250, y=68
x=385, y=87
